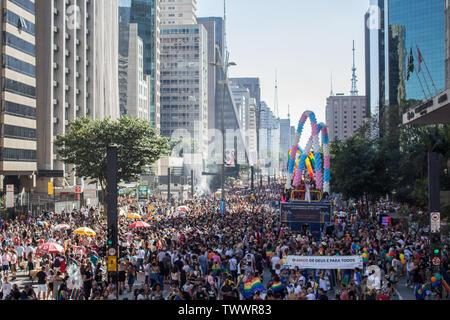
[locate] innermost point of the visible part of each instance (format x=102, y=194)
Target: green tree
x=86, y=143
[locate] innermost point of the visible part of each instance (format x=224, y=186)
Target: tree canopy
x=86, y=143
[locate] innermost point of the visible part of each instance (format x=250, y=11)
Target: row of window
x=16, y=132
x=19, y=66
x=25, y=4
x=9, y=154
x=16, y=109
x=20, y=22
x=19, y=88
x=180, y=31
x=19, y=44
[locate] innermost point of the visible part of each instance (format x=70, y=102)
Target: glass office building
x=414, y=24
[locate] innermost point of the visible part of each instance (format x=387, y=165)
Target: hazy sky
x=304, y=40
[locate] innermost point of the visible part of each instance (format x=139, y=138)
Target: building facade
x=134, y=85
x=146, y=14
x=18, y=95
x=77, y=50
x=396, y=30
x=184, y=82
x=178, y=12
x=344, y=115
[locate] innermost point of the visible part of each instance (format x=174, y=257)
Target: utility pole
x=434, y=192
x=168, y=185
x=192, y=183
x=112, y=219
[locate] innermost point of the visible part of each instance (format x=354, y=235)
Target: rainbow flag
x=340, y=272
x=76, y=294
x=315, y=287
x=277, y=286
x=445, y=285
x=420, y=291
x=269, y=253
x=177, y=298
x=250, y=287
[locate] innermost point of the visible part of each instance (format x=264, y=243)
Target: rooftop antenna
x=225, y=26
x=289, y=112
x=275, y=105
x=331, y=93
x=354, y=91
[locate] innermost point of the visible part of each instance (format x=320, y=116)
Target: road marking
x=399, y=296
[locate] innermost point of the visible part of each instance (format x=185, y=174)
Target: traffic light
x=435, y=246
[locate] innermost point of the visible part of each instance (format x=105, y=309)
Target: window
x=25, y=4
x=9, y=154
x=19, y=66
x=19, y=88
x=18, y=110
x=18, y=43
x=19, y=22
x=16, y=132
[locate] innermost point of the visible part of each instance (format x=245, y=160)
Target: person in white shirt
x=140, y=260
x=310, y=295
x=20, y=251
x=6, y=258
x=6, y=288
x=275, y=260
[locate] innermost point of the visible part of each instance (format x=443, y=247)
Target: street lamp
x=224, y=82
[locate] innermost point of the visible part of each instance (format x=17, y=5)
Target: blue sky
x=304, y=40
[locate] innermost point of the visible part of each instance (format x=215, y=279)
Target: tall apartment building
x=344, y=115
x=77, y=50
x=184, y=82
x=178, y=12
x=17, y=94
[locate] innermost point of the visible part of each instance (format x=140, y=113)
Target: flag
x=445, y=285
x=250, y=287
x=269, y=253
x=410, y=64
x=315, y=287
x=420, y=59
x=277, y=286
x=215, y=269
x=358, y=278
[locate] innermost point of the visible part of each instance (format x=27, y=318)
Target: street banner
x=322, y=262
x=142, y=192
x=305, y=212
x=50, y=188
x=9, y=196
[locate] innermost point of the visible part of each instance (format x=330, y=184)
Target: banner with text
x=323, y=262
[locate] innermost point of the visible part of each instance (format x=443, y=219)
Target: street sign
x=50, y=188
x=78, y=189
x=112, y=263
x=111, y=252
x=435, y=222
x=222, y=207
x=9, y=196
x=436, y=261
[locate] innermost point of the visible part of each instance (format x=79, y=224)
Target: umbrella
x=178, y=213
x=85, y=231
x=139, y=224
x=62, y=226
x=182, y=208
x=50, y=247
x=133, y=216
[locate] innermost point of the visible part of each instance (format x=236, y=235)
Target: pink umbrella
x=139, y=224
x=50, y=247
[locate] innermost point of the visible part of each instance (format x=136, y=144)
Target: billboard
x=142, y=192
x=305, y=212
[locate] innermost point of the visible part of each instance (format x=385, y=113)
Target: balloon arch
x=301, y=160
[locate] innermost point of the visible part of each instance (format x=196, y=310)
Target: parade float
x=305, y=206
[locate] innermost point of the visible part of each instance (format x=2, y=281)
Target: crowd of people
x=206, y=255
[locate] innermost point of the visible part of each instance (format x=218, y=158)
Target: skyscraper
x=415, y=24
x=77, y=73
x=396, y=30
x=184, y=82
x=146, y=15
x=18, y=94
